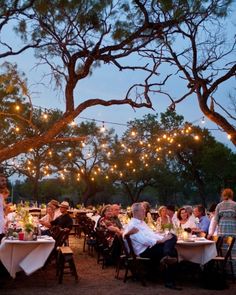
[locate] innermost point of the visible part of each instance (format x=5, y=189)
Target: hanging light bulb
x=203, y=120
x=229, y=136
x=17, y=107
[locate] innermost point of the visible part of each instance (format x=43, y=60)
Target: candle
x=185, y=235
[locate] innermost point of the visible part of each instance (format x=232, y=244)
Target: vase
x=28, y=236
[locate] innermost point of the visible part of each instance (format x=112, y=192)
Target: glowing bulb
x=229, y=136
x=17, y=107
x=203, y=120
x=196, y=137
x=17, y=129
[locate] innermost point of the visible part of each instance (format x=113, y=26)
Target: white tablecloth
x=197, y=251
x=28, y=256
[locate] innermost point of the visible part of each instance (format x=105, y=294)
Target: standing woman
x=225, y=214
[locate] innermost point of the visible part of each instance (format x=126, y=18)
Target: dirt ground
x=93, y=280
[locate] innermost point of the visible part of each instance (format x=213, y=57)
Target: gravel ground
x=93, y=280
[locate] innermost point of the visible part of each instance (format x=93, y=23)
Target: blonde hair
x=160, y=209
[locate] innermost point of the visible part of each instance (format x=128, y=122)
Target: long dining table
x=198, y=250
x=29, y=256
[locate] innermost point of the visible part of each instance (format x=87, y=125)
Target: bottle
x=39, y=231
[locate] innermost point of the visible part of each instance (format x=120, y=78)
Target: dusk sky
x=108, y=83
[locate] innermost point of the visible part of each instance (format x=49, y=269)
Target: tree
x=142, y=158
x=73, y=38
x=204, y=62
x=86, y=163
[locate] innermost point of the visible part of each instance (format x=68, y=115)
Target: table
x=198, y=251
x=28, y=256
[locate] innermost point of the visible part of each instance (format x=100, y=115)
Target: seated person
x=146, y=243
x=64, y=220
x=163, y=219
x=202, y=221
x=115, y=209
x=45, y=221
x=111, y=232
x=148, y=217
x=184, y=221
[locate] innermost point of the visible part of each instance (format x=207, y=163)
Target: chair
x=60, y=236
x=137, y=265
x=224, y=255
x=65, y=263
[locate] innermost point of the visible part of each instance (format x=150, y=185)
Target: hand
x=133, y=231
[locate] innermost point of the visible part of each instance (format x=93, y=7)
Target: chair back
x=130, y=246
x=228, y=241
x=218, y=240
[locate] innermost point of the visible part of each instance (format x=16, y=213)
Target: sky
x=107, y=82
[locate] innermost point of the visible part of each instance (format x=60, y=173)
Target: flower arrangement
x=22, y=221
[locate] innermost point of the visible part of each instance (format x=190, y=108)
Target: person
x=201, y=220
x=163, y=220
x=3, y=181
x=225, y=215
x=45, y=221
x=212, y=231
x=147, y=243
x=64, y=220
x=115, y=208
x=4, y=193
x=184, y=221
x=56, y=208
x=111, y=233
x=172, y=214
x=148, y=216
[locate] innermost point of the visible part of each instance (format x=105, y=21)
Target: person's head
x=170, y=210
x=162, y=211
x=49, y=209
x=115, y=210
x=182, y=214
x=138, y=211
x=64, y=206
x=146, y=206
x=212, y=208
x=106, y=211
x=199, y=211
x=227, y=194
x=189, y=209
x=54, y=204
x=4, y=192
x=3, y=181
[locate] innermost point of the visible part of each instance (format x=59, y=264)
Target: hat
x=64, y=204
x=54, y=203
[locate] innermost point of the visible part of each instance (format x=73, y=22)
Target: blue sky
x=108, y=83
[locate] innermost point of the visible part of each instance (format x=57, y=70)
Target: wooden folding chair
x=137, y=265
x=224, y=256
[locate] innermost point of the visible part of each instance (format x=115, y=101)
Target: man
x=146, y=243
x=64, y=220
x=115, y=208
x=3, y=186
x=201, y=220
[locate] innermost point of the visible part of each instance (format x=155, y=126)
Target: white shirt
x=188, y=224
x=144, y=238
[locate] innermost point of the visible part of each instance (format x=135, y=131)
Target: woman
x=45, y=221
x=109, y=233
x=225, y=215
x=183, y=220
x=163, y=221
x=148, y=217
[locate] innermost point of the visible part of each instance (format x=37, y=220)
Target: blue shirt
x=204, y=223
